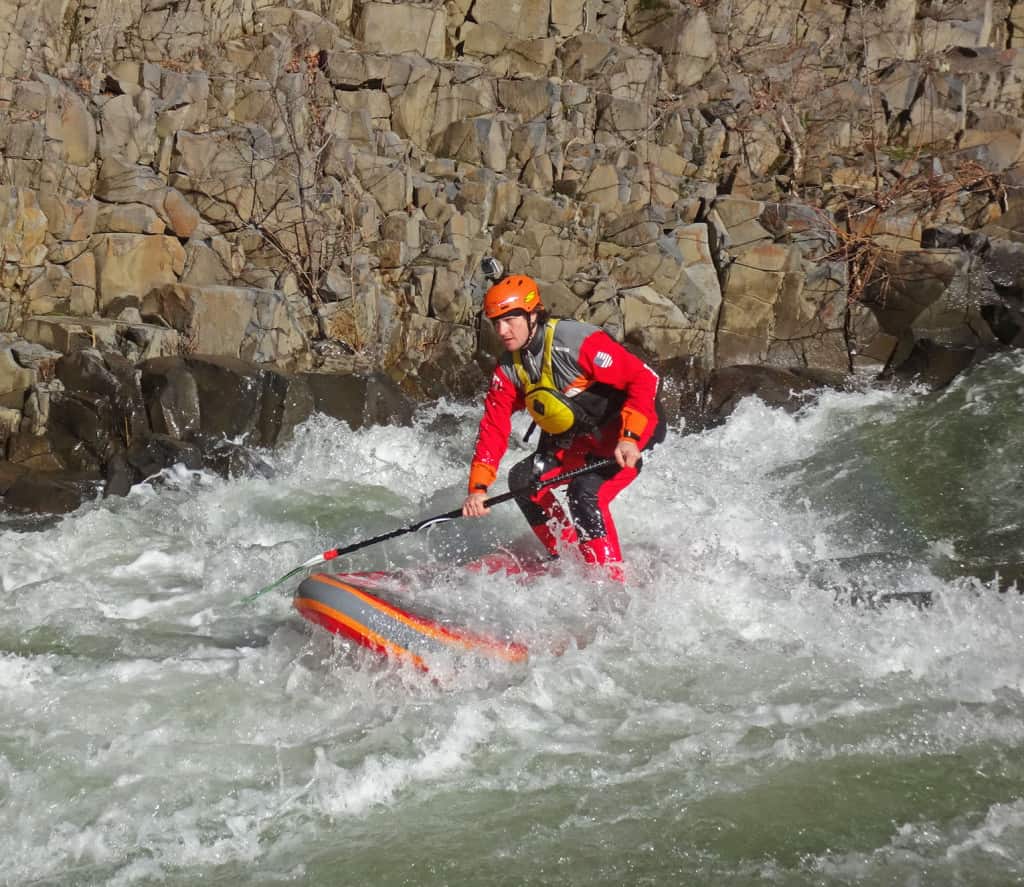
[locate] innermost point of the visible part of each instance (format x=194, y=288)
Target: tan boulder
x=752, y=287
x=931, y=123
x=1016, y=22
x=809, y=327
x=349, y=69
x=125, y=132
x=740, y=220
x=181, y=217
x=425, y=342
x=463, y=101
x=123, y=182
x=137, y=341
x=252, y=324
x=485, y=38
x=389, y=253
x=623, y=118
x=506, y=201
x=890, y=231
x=996, y=150
x=228, y=174
x=128, y=218
x=684, y=41
x=610, y=67
x=403, y=27
x=69, y=123
x=970, y=30
x=530, y=99
x=888, y=35
x=449, y=299
x=83, y=270
x=15, y=379
x=422, y=278
x=761, y=147
x=656, y=324
x=49, y=291
x=482, y=141
x=22, y=228
x=567, y=16
x=387, y=181
x=132, y=264
x=16, y=30
x=533, y=57
x=697, y=290
x=678, y=267
x=68, y=218
x=211, y=263
x=604, y=188
x=413, y=101
x=518, y=18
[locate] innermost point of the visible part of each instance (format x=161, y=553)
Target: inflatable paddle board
x=351, y=610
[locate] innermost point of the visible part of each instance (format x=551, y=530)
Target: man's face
x=513, y=330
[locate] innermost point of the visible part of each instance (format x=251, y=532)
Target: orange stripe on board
x=511, y=652
x=361, y=632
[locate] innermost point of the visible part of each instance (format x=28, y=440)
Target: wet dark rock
x=81, y=419
x=1006, y=323
x=936, y=304
x=171, y=396
x=456, y=379
x=119, y=476
x=223, y=396
x=87, y=371
x=9, y=473
x=909, y=283
x=705, y=399
x=789, y=388
x=372, y=399
x=683, y=392
x=151, y=455
x=122, y=424
x=936, y=365
x=229, y=459
x=47, y=492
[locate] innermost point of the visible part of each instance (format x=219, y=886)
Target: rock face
x=809, y=188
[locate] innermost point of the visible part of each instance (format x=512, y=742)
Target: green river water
x=746, y=713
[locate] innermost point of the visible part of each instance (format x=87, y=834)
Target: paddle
x=332, y=553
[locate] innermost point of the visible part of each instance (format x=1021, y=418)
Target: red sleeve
x=605, y=360
x=503, y=399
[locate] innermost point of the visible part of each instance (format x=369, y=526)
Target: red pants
x=589, y=497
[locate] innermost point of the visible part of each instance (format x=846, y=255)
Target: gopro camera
x=491, y=267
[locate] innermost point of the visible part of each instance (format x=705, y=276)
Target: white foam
x=344, y=792
x=206, y=734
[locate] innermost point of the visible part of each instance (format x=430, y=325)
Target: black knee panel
x=521, y=475
x=583, y=503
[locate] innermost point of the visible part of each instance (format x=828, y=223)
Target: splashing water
x=740, y=721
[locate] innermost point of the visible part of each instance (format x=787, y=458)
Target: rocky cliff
x=204, y=201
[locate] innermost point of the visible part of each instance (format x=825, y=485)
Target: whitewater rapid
x=732, y=718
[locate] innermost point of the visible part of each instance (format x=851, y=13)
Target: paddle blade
x=312, y=562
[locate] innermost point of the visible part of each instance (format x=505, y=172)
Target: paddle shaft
x=457, y=512
x=419, y=525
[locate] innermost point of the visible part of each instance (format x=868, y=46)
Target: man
x=592, y=400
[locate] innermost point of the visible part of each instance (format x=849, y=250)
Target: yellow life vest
x=550, y=408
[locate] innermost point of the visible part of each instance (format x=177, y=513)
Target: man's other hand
x=474, y=505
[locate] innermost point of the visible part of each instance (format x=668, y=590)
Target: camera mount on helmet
x=491, y=268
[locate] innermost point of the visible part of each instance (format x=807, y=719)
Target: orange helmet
x=517, y=292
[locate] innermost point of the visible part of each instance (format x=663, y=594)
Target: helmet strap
x=534, y=322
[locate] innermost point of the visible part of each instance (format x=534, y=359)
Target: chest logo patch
x=603, y=359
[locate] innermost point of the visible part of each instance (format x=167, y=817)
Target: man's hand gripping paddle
x=437, y=519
